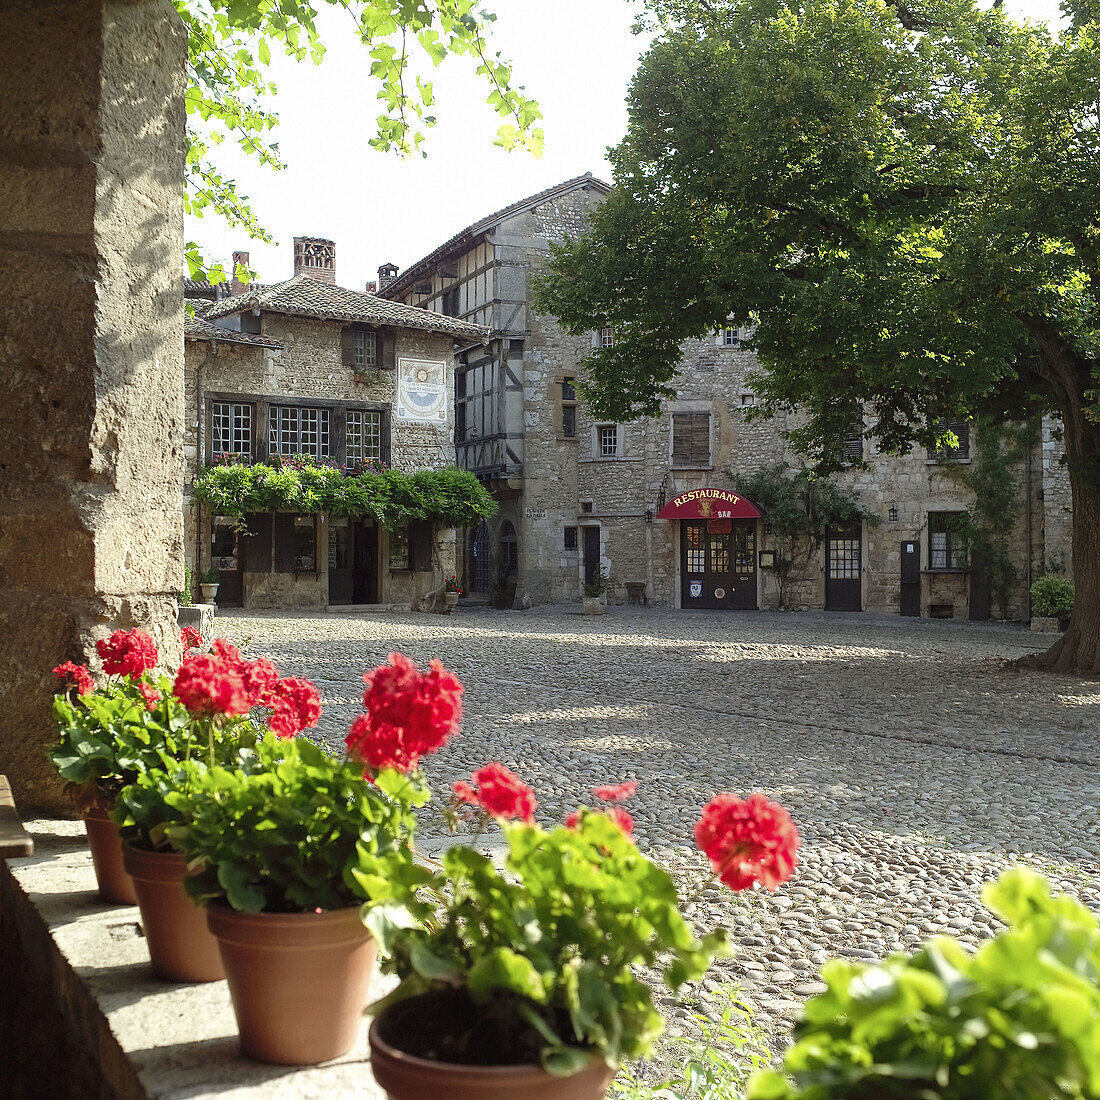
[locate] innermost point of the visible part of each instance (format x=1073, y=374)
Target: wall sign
x=535, y=513
x=421, y=391
x=767, y=559
x=696, y=589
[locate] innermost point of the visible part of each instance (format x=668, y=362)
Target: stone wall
x=91, y=236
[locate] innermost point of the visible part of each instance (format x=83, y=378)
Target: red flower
x=191, y=638
x=619, y=816
x=127, y=653
x=149, y=694
x=261, y=678
x=748, y=840
x=77, y=675
x=296, y=707
x=409, y=713
x=617, y=793
x=206, y=685
x=499, y=792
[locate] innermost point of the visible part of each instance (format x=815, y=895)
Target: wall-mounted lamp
x=649, y=515
x=893, y=513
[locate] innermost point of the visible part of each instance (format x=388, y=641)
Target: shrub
x=1018, y=1018
x=1052, y=596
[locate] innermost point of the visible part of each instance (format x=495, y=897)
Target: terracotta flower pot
x=298, y=981
x=106, y=847
x=180, y=944
x=409, y=1077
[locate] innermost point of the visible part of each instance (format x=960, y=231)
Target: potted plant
x=1051, y=603
x=520, y=980
x=293, y=842
x=594, y=601
x=223, y=729
x=209, y=580
x=109, y=734
x=451, y=591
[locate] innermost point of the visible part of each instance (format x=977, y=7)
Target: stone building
x=307, y=367
x=653, y=503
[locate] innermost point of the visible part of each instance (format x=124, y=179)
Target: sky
x=575, y=57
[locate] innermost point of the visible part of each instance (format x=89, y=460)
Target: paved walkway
x=915, y=765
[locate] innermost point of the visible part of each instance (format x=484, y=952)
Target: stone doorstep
x=148, y=1038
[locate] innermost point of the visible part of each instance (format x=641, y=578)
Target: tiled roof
x=409, y=276
x=306, y=297
x=197, y=328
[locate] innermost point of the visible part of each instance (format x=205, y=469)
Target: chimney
x=240, y=259
x=372, y=287
x=386, y=275
x=315, y=257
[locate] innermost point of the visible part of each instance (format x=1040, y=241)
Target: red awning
x=709, y=504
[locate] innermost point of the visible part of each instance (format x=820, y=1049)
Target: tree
x=905, y=198
x=801, y=506
x=229, y=47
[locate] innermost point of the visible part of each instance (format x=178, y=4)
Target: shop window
x=223, y=545
x=411, y=548
x=295, y=543
x=691, y=439
x=399, y=548
x=945, y=548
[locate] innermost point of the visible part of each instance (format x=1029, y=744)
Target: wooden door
x=743, y=565
x=225, y=555
x=364, y=582
x=340, y=561
x=910, y=578
x=591, y=554
x=843, y=570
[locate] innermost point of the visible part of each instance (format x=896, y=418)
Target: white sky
x=576, y=57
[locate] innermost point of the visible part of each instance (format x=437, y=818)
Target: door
x=340, y=560
x=910, y=579
x=364, y=578
x=718, y=564
x=843, y=568
x=480, y=553
x=225, y=557
x=981, y=595
x=591, y=554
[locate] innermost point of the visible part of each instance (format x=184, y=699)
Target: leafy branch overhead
x=230, y=43
x=454, y=498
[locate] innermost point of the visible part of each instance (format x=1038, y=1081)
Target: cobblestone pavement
x=914, y=763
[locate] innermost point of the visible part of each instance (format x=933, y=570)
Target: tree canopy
x=904, y=197
x=229, y=48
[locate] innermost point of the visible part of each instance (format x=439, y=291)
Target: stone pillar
x=91, y=348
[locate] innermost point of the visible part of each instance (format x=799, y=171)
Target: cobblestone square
x=915, y=765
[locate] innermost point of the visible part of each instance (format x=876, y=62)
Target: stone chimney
x=240, y=259
x=372, y=287
x=386, y=275
x=315, y=257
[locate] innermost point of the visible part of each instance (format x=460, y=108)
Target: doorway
x=481, y=555
x=843, y=569
x=591, y=554
x=352, y=561
x=225, y=557
x=718, y=564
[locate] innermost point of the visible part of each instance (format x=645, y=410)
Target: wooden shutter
x=691, y=439
x=681, y=439
x=700, y=439
x=347, y=346
x=284, y=542
x=256, y=543
x=387, y=352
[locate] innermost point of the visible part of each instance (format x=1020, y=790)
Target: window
x=607, y=440
x=586, y=506
x=945, y=549
x=570, y=541
x=364, y=436
x=961, y=430
x=251, y=323
x=691, y=439
x=569, y=408
x=230, y=429
x=299, y=431
x=852, y=447
x=730, y=337
x=748, y=400
x=607, y=337
x=399, y=548
x=295, y=543
x=364, y=348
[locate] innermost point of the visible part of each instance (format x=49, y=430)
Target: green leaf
x=565, y=1061
x=503, y=968
x=432, y=966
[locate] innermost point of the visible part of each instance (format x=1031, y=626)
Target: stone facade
x=301, y=363
x=574, y=509
x=91, y=231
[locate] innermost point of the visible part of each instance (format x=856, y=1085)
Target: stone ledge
x=76, y=975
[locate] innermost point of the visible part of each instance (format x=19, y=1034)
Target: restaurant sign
x=709, y=504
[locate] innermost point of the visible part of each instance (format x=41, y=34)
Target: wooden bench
x=14, y=839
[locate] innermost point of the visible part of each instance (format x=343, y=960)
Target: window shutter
x=284, y=542
x=256, y=543
x=347, y=346
x=961, y=428
x=681, y=438
x=387, y=357
x=700, y=439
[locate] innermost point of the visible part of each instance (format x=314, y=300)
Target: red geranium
x=618, y=815
x=207, y=685
x=191, y=638
x=149, y=694
x=261, y=678
x=296, y=707
x=127, y=653
x=498, y=791
x=616, y=793
x=77, y=675
x=748, y=840
x=409, y=713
